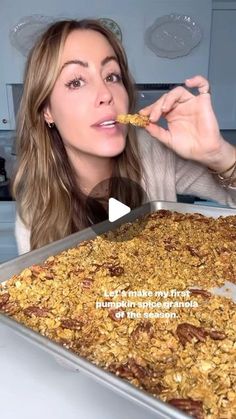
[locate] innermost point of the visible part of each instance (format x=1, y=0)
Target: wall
x=222, y=64
x=133, y=16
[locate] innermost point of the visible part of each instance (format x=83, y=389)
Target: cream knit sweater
x=165, y=175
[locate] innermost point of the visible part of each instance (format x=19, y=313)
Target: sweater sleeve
x=192, y=178
x=22, y=234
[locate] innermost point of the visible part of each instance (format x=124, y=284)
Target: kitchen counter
x=35, y=385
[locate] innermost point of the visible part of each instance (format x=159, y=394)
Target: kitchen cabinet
x=8, y=248
x=222, y=65
x=133, y=17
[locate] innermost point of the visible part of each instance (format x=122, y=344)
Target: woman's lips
x=109, y=128
x=105, y=120
x=107, y=124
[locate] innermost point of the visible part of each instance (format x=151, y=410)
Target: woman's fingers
x=177, y=95
x=200, y=82
x=154, y=111
x=170, y=100
x=159, y=133
x=166, y=103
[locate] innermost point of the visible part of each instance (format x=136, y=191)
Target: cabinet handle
x=4, y=121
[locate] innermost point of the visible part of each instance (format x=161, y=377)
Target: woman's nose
x=104, y=94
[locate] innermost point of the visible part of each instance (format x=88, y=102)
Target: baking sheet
x=110, y=380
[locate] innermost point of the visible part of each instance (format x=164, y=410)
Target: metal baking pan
x=15, y=266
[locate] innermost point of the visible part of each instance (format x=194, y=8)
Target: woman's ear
x=47, y=115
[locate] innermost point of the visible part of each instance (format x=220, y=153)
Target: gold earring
x=51, y=125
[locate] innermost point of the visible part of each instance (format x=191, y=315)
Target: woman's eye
x=75, y=83
x=114, y=78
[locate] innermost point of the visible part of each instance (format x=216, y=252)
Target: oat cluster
x=187, y=356
x=133, y=119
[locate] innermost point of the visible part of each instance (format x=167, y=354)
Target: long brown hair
x=49, y=201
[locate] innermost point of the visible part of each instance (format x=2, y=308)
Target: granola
x=187, y=360
x=133, y=119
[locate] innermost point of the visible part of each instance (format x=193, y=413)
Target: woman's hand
x=193, y=131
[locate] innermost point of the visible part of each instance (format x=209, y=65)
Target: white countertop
x=35, y=386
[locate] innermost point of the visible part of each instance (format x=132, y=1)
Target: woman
x=76, y=82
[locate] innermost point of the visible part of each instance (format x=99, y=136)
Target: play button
x=116, y=209
x=118, y=202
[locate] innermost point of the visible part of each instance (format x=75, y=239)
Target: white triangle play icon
x=116, y=209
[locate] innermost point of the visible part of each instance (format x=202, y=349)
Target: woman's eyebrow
x=84, y=64
x=80, y=62
x=108, y=59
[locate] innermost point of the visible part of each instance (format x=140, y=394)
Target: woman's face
x=88, y=95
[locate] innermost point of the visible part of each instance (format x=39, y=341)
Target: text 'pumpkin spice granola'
x=187, y=357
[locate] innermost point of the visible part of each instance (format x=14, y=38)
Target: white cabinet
x=133, y=17
x=222, y=66
x=8, y=248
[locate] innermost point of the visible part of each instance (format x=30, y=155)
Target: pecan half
x=84, y=342
x=49, y=275
x=129, y=370
x=190, y=406
x=97, y=266
x=193, y=251
x=142, y=238
x=199, y=217
x=216, y=335
x=11, y=308
x=4, y=299
x=36, y=311
x=36, y=269
x=153, y=388
x=85, y=243
x=48, y=264
x=186, y=332
x=148, y=378
x=169, y=247
x=142, y=327
x=138, y=370
x=170, y=243
x=72, y=324
x=44, y=269
x=116, y=270
x=203, y=293
x=87, y=282
x=112, y=314
x=122, y=370
x=161, y=214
